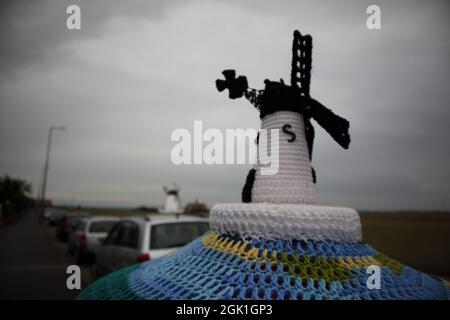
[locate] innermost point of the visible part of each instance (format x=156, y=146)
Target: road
x=33, y=263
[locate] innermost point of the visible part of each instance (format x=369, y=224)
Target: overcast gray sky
x=137, y=70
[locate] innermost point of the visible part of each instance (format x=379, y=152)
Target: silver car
x=87, y=236
x=138, y=239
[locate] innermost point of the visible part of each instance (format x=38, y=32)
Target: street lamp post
x=47, y=159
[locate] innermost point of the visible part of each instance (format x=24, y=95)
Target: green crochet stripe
x=303, y=266
x=328, y=268
x=395, y=266
x=114, y=286
x=319, y=268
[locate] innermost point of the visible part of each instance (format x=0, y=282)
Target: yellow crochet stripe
x=240, y=248
x=341, y=266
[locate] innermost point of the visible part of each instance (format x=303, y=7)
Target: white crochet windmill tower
x=283, y=204
x=293, y=183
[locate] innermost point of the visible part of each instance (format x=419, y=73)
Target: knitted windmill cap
x=276, y=244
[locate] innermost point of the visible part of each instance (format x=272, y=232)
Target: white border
x=287, y=221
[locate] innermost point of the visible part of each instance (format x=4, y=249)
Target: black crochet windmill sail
x=277, y=244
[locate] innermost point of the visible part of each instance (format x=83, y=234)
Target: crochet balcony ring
x=224, y=158
x=277, y=243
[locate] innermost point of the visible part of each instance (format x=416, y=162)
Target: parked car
x=54, y=216
x=87, y=236
x=138, y=239
x=67, y=223
x=47, y=213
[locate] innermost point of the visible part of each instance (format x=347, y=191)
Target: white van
x=139, y=239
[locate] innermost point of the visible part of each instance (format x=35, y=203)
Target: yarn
x=286, y=221
x=247, y=190
x=236, y=86
x=231, y=267
x=293, y=183
x=277, y=96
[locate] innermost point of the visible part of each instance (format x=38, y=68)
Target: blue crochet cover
x=218, y=266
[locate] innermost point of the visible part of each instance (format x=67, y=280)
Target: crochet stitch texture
x=218, y=266
x=277, y=244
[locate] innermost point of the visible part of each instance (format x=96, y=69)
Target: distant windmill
x=173, y=203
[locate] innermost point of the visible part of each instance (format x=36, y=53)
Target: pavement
x=33, y=263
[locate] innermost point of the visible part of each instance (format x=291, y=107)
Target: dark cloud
x=32, y=30
x=139, y=69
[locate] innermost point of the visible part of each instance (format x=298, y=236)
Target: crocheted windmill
x=277, y=244
x=288, y=108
